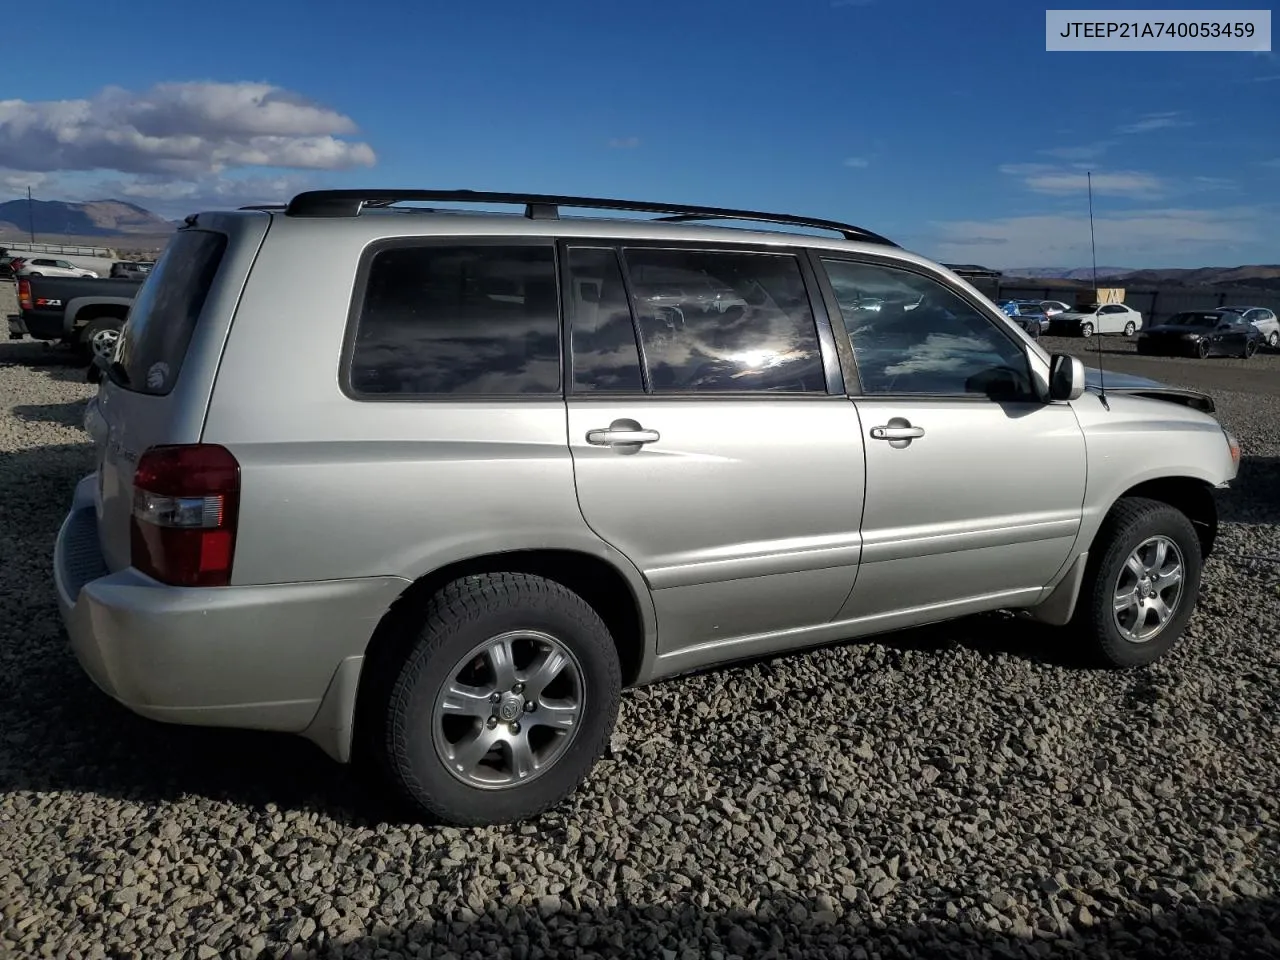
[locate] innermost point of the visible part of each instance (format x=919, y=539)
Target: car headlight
x=1191, y=336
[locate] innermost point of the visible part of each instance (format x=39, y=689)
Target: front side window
x=464, y=320
x=921, y=338
x=724, y=322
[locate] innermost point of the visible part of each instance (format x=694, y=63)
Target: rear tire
x=475, y=633
x=1138, y=537
x=99, y=336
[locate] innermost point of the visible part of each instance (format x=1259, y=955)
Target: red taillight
x=24, y=294
x=186, y=501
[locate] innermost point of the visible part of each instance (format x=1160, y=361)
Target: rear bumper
x=261, y=657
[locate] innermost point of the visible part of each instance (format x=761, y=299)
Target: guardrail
x=59, y=249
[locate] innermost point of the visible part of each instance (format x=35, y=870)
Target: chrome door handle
x=896, y=433
x=609, y=436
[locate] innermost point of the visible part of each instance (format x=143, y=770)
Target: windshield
x=1193, y=319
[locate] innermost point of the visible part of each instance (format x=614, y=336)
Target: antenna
x=1097, y=331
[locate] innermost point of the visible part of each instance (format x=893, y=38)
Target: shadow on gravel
x=70, y=414
x=781, y=924
x=1254, y=496
x=57, y=363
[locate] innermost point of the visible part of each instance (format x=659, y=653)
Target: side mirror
x=1066, y=378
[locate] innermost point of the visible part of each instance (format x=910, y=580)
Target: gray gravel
x=957, y=791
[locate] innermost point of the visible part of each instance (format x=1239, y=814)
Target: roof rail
x=264, y=206
x=349, y=203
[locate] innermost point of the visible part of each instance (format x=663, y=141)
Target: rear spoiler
x=1188, y=398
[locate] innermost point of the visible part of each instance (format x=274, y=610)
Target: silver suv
x=431, y=487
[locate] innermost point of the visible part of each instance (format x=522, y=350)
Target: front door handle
x=896, y=433
x=623, y=433
x=608, y=437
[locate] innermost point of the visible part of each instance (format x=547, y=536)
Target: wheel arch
x=626, y=611
x=1188, y=495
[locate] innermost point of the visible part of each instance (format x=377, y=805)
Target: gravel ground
x=957, y=791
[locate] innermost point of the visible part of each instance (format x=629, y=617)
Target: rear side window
x=154, y=341
x=458, y=321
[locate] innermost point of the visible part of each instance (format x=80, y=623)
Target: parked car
x=1029, y=315
x=50, y=267
x=86, y=314
x=1202, y=333
x=131, y=269
x=302, y=515
x=1086, y=320
x=1262, y=318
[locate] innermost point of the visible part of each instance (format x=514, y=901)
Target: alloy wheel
x=509, y=710
x=1148, y=589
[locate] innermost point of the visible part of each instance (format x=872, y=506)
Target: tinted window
x=477, y=320
x=720, y=322
x=155, y=338
x=605, y=355
x=912, y=335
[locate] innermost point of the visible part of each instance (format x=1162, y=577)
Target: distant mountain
x=1264, y=276
x=1065, y=273
x=94, y=218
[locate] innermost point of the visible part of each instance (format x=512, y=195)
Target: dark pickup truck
x=83, y=313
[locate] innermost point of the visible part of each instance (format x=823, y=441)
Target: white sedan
x=1098, y=318
x=49, y=267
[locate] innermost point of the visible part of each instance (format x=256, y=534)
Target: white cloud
x=839, y=4
x=857, y=162
x=1155, y=121
x=1085, y=151
x=17, y=181
x=1045, y=178
x=624, y=143
x=1154, y=236
x=1271, y=163
x=167, y=195
x=179, y=129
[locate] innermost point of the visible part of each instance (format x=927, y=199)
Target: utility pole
x=31, y=216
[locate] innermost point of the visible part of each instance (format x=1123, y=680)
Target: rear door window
x=154, y=341
x=715, y=321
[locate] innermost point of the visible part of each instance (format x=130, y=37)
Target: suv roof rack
x=349, y=203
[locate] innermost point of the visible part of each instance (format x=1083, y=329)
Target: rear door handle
x=609, y=436
x=896, y=433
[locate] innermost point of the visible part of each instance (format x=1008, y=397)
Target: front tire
x=1129, y=328
x=1273, y=341
x=1202, y=350
x=504, y=703
x=1086, y=330
x=1250, y=348
x=1141, y=584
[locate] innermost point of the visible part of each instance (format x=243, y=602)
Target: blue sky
x=946, y=126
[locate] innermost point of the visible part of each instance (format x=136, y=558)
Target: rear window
x=458, y=321
x=163, y=317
